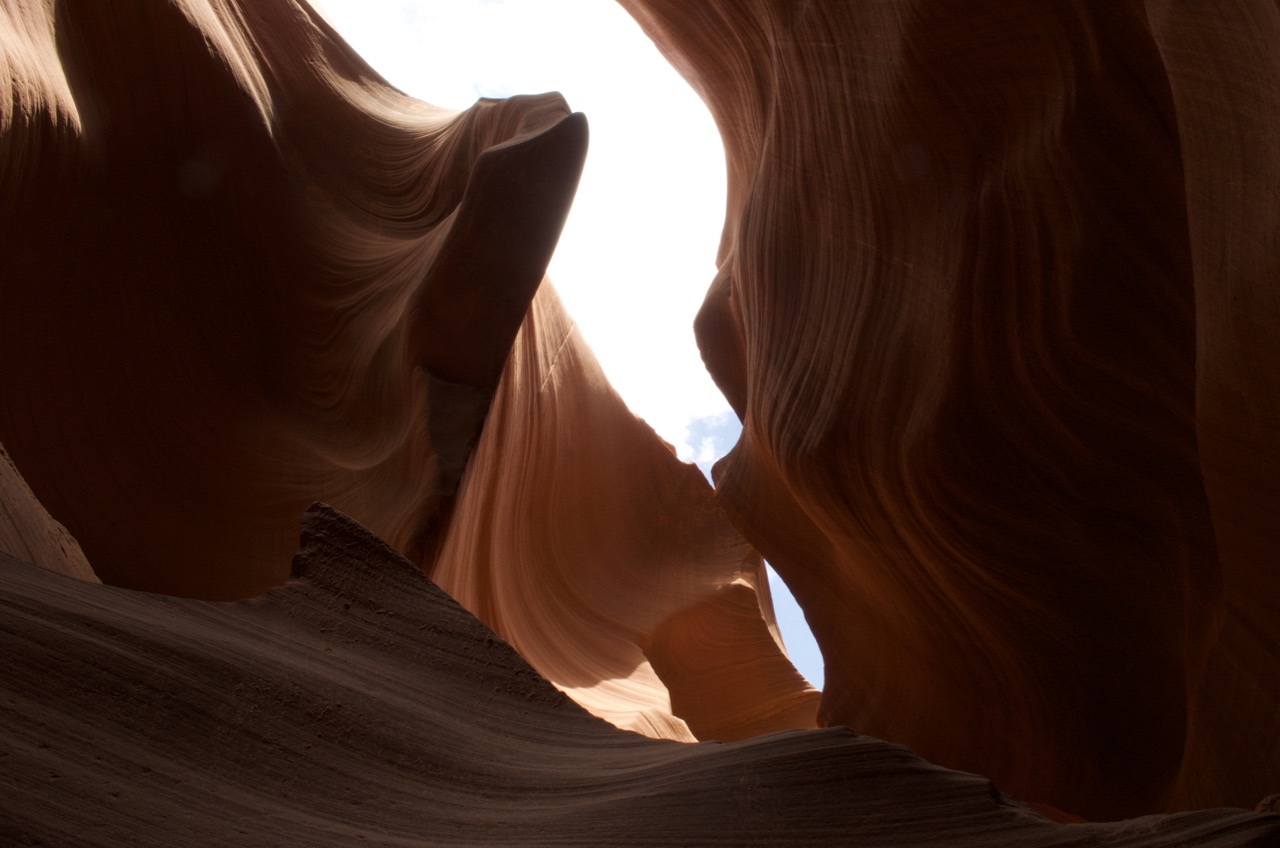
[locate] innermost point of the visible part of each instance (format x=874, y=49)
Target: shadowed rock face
x=990, y=301
x=994, y=307
x=242, y=272
x=394, y=717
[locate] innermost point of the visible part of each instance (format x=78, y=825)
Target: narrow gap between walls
x=654, y=176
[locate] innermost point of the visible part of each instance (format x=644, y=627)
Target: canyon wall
x=244, y=273
x=996, y=303
x=991, y=306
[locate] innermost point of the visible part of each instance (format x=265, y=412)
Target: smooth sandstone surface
x=243, y=273
x=579, y=538
x=1225, y=81
x=227, y=246
x=996, y=304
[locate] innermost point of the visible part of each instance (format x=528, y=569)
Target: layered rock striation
x=244, y=273
x=579, y=538
x=360, y=704
x=991, y=302
x=995, y=302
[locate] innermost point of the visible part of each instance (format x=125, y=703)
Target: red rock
x=242, y=273
x=995, y=305
x=993, y=302
x=283, y=281
x=581, y=540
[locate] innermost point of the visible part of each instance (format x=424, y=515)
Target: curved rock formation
x=995, y=304
x=283, y=280
x=1225, y=81
x=394, y=717
x=243, y=273
x=580, y=539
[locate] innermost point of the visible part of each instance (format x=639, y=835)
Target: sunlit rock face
x=997, y=306
x=242, y=273
x=578, y=537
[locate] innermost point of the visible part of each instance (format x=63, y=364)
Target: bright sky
x=638, y=251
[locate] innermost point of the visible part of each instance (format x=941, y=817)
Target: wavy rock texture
x=242, y=272
x=1225, y=80
x=997, y=307
x=282, y=280
x=579, y=538
x=360, y=704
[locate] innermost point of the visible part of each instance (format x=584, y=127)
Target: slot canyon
x=321, y=524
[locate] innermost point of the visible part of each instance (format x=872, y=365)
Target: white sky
x=638, y=251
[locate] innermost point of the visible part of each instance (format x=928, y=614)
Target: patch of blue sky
x=710, y=438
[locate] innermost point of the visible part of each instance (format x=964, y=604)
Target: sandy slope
x=358, y=704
